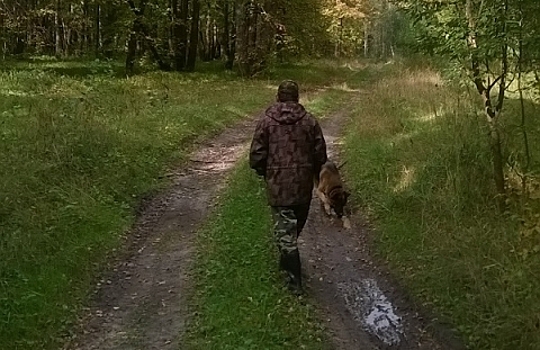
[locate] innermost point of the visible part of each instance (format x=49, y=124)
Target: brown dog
x=329, y=189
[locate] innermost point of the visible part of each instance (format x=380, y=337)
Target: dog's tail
x=341, y=165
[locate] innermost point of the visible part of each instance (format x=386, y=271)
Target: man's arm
x=320, y=149
x=258, y=154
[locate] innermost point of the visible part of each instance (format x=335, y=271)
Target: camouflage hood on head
x=286, y=112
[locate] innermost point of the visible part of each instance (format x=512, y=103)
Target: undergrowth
x=418, y=159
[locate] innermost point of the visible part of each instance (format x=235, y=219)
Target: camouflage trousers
x=288, y=223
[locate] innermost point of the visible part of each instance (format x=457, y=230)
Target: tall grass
x=79, y=145
x=77, y=151
x=418, y=160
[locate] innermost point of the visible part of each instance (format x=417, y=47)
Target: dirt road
x=142, y=302
x=360, y=304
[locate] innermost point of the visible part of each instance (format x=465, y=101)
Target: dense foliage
x=173, y=34
x=495, y=47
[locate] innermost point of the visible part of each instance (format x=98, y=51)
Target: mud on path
x=360, y=304
x=142, y=302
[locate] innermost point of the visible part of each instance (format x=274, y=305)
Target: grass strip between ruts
x=242, y=302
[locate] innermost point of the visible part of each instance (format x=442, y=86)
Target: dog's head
x=338, y=200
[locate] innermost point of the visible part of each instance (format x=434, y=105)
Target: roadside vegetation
x=80, y=146
x=419, y=162
x=448, y=167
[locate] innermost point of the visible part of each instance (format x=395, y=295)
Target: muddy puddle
x=368, y=305
x=361, y=305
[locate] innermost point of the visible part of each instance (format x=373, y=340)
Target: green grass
x=418, y=160
x=77, y=152
x=242, y=302
x=79, y=146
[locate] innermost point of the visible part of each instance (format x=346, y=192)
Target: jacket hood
x=286, y=112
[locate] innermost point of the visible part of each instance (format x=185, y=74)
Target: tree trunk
x=202, y=45
x=498, y=161
x=232, y=45
x=67, y=32
x=339, y=44
x=181, y=33
x=366, y=38
x=30, y=26
x=214, y=49
x=226, y=33
x=194, y=35
x=153, y=49
x=66, y=39
x=83, y=44
x=139, y=29
x=247, y=51
x=176, y=34
x=492, y=112
x=131, y=50
x=58, y=30
x=256, y=36
x=171, y=41
x=208, y=36
x=97, y=39
x=523, y=126
x=3, y=41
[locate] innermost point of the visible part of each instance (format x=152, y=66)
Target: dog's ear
x=346, y=194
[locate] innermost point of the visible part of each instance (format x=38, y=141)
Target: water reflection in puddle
x=373, y=310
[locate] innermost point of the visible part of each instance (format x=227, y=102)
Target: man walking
x=288, y=149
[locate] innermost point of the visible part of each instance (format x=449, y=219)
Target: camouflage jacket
x=288, y=149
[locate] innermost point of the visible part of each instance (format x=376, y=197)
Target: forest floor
x=142, y=301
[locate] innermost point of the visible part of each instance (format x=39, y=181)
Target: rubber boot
x=282, y=262
x=291, y=263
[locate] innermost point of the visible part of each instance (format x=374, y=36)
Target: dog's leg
x=346, y=222
x=324, y=202
x=328, y=209
x=326, y=205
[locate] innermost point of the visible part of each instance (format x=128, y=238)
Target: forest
x=100, y=99
x=173, y=35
